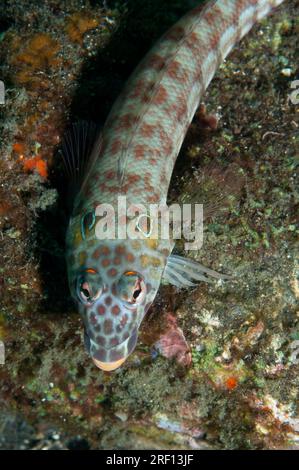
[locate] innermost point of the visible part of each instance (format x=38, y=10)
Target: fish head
x=114, y=289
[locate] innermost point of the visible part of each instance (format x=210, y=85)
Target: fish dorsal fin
x=183, y=272
x=78, y=152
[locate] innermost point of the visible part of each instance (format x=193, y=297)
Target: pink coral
x=173, y=344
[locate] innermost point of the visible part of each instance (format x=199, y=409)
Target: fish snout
x=111, y=358
x=108, y=366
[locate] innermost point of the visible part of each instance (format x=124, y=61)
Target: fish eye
x=89, y=286
x=131, y=288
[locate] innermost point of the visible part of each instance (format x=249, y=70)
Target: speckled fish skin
x=136, y=155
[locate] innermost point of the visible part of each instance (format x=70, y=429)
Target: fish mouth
x=108, y=366
x=112, y=358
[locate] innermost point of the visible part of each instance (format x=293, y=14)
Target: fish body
x=114, y=281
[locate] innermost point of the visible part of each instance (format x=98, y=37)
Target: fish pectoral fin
x=183, y=272
x=79, y=147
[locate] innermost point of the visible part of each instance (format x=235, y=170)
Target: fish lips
x=109, y=359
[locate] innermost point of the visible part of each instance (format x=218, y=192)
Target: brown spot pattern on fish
x=140, y=143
